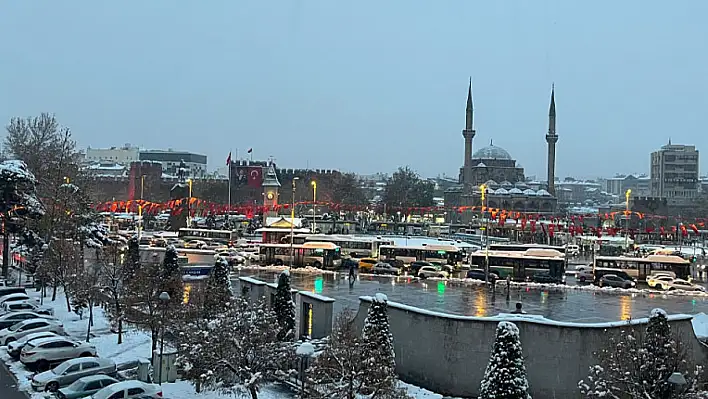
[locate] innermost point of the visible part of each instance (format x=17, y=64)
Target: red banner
x=255, y=176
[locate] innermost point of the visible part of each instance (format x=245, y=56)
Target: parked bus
x=521, y=266
x=317, y=254
x=357, y=247
x=209, y=236
x=641, y=268
x=523, y=247
x=444, y=254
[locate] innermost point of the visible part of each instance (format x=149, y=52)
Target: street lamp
x=678, y=383
x=189, y=204
x=626, y=218
x=483, y=191
x=164, y=299
x=314, y=206
x=292, y=224
x=140, y=221
x=142, y=186
x=305, y=351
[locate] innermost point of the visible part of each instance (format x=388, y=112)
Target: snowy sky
x=364, y=86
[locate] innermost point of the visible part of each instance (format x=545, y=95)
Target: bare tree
x=84, y=289
x=112, y=260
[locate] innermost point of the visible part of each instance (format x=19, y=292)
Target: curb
x=14, y=378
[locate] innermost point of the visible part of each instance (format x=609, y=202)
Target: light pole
x=140, y=221
x=164, y=299
x=305, y=351
x=626, y=219
x=292, y=224
x=189, y=204
x=142, y=186
x=314, y=206
x=483, y=191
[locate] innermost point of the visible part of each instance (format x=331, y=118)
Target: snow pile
x=296, y=270
x=305, y=349
x=379, y=297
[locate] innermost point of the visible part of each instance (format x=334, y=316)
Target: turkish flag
x=255, y=176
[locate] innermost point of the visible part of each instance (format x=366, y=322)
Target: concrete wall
x=448, y=354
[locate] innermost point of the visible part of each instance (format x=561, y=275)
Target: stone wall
x=448, y=354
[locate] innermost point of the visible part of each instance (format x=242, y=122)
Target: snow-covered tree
x=132, y=259
x=379, y=356
x=218, y=291
x=172, y=273
x=83, y=286
x=505, y=376
x=236, y=351
x=113, y=274
x=638, y=366
x=284, y=307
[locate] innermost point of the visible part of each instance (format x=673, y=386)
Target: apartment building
x=675, y=173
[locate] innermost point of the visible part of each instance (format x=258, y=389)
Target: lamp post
x=164, y=299
x=626, y=218
x=142, y=186
x=140, y=221
x=305, y=351
x=483, y=191
x=314, y=206
x=292, y=224
x=189, y=204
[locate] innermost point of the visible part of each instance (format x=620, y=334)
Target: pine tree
x=284, y=307
x=379, y=356
x=505, y=376
x=132, y=261
x=218, y=289
x=171, y=273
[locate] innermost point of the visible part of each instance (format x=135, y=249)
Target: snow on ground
x=136, y=344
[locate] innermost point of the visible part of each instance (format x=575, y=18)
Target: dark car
x=611, y=280
x=385, y=268
x=544, y=278
x=477, y=274
x=417, y=264
x=599, y=273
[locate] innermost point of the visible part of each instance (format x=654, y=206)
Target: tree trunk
x=120, y=323
x=68, y=304
x=155, y=337
x=90, y=321
x=54, y=291
x=253, y=391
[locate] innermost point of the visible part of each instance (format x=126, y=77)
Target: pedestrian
x=518, y=309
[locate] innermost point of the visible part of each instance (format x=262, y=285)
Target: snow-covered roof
x=501, y=191
x=506, y=183
x=528, y=191
x=481, y=165
x=515, y=191
x=543, y=193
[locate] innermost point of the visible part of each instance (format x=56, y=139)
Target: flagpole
x=228, y=209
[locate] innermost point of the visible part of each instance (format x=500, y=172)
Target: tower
x=551, y=140
x=468, y=133
x=270, y=185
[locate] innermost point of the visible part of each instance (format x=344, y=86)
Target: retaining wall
x=448, y=354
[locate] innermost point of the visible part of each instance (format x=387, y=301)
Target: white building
x=674, y=173
x=196, y=164
x=120, y=155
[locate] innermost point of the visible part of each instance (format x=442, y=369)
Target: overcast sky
x=364, y=86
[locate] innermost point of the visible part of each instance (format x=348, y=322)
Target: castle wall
x=448, y=354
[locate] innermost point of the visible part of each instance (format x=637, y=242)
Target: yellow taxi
x=366, y=264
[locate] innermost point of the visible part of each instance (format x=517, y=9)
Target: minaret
x=552, y=139
x=468, y=133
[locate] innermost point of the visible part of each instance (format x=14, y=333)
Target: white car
x=12, y=318
x=16, y=306
x=71, y=370
x=41, y=353
x=14, y=348
x=195, y=244
x=660, y=281
x=29, y=326
x=431, y=271
x=129, y=389
x=680, y=284
x=18, y=297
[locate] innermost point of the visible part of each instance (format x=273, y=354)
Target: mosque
x=504, y=179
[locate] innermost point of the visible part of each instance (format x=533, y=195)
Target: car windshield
x=16, y=326
x=77, y=386
x=61, y=368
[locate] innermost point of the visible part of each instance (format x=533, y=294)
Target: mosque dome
x=491, y=152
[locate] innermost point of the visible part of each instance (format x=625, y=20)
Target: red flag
x=255, y=176
x=228, y=159
x=250, y=150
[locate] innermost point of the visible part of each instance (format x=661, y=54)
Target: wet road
x=8, y=387
x=561, y=304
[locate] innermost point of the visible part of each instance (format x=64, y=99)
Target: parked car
x=71, y=370
x=231, y=258
x=18, y=297
x=40, y=354
x=598, y=273
x=660, y=281
x=130, y=389
x=385, y=268
x=18, y=306
x=477, y=274
x=613, y=280
x=14, y=348
x=572, y=250
x=12, y=318
x=29, y=326
x=195, y=244
x=583, y=273
x=444, y=266
x=431, y=271
x=416, y=265
x=85, y=386
x=5, y=291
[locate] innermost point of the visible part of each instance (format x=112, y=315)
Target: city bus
x=521, y=266
x=357, y=247
x=317, y=254
x=523, y=247
x=641, y=268
x=209, y=236
x=444, y=254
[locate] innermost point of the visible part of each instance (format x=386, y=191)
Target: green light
x=441, y=287
x=318, y=285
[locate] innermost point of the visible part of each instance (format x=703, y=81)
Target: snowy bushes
x=505, y=376
x=284, y=307
x=641, y=366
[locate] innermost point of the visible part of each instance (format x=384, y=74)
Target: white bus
x=317, y=254
x=209, y=236
x=641, y=268
x=520, y=266
x=444, y=254
x=357, y=247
